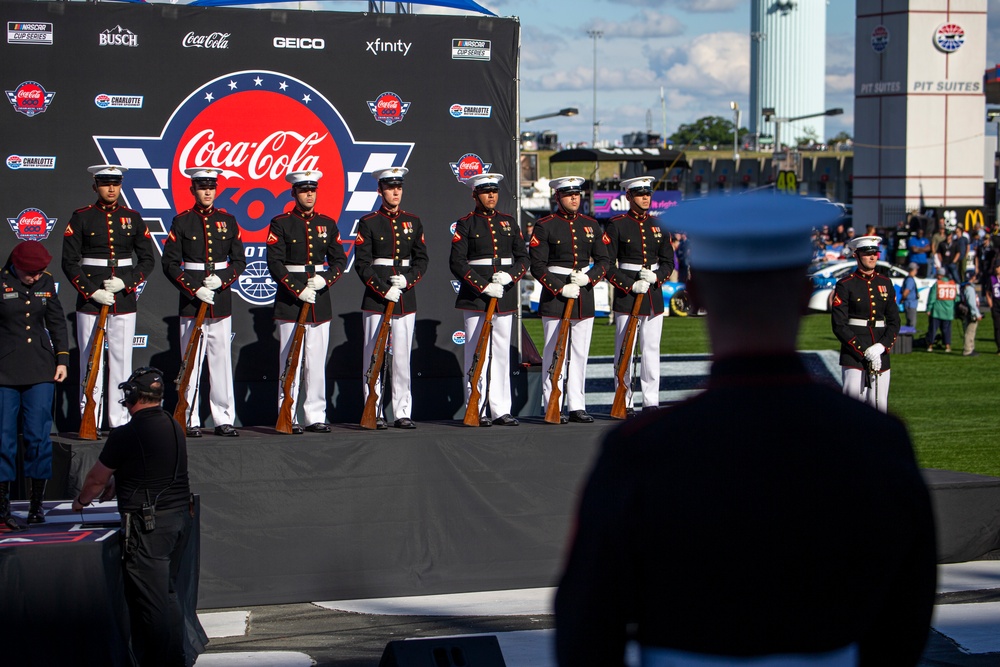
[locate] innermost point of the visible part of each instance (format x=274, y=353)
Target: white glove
x=647, y=275
x=397, y=280
x=571, y=291
x=875, y=352
x=502, y=278
x=876, y=364
x=205, y=294
x=579, y=278
x=393, y=294
x=308, y=294
x=103, y=297
x=640, y=287
x=494, y=290
x=316, y=282
x=212, y=282
x=114, y=284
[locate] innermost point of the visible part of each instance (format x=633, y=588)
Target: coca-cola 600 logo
x=388, y=108
x=30, y=98
x=256, y=126
x=32, y=224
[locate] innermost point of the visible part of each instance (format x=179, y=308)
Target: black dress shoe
x=404, y=423
x=380, y=424
x=194, y=432
x=506, y=420
x=226, y=430
x=10, y=522
x=318, y=427
x=296, y=429
x=650, y=408
x=580, y=417
x=563, y=419
x=629, y=413
x=485, y=421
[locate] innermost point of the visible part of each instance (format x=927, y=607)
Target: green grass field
x=948, y=401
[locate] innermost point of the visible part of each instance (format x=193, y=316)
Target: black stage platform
x=442, y=509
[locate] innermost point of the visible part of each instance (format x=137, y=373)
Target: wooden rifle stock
x=88, y=423
x=368, y=417
x=554, y=408
x=284, y=424
x=187, y=365
x=624, y=358
x=478, y=362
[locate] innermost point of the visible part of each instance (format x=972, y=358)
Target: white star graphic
x=258, y=81
x=283, y=85
x=306, y=98
x=209, y=97
x=232, y=85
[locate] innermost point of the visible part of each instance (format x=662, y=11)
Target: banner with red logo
x=160, y=89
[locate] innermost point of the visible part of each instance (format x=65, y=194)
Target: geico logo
x=299, y=43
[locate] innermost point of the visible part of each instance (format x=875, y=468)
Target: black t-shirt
x=143, y=453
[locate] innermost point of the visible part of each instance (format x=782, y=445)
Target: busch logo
x=30, y=98
x=32, y=224
x=468, y=166
x=216, y=40
x=256, y=126
x=118, y=36
x=388, y=108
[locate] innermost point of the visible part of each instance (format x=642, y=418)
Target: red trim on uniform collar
x=641, y=217
x=104, y=207
x=483, y=212
x=387, y=213
x=200, y=210
x=303, y=214
x=566, y=215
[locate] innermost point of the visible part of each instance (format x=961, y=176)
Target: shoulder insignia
x=147, y=234
x=836, y=300
x=69, y=231
x=534, y=243
x=81, y=210
x=271, y=238
x=171, y=236
x=359, y=239
x=606, y=239
x=338, y=238
x=422, y=239
x=456, y=238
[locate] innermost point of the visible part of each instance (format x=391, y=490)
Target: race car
x=824, y=275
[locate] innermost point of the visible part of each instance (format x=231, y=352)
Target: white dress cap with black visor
x=107, y=173
x=567, y=185
x=391, y=175
x=485, y=182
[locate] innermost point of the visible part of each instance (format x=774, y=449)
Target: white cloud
x=715, y=62
x=711, y=5
x=582, y=78
x=539, y=47
x=840, y=83
x=646, y=24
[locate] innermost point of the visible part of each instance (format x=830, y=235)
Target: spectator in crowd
x=919, y=246
x=941, y=309
x=985, y=255
x=970, y=318
x=839, y=234
x=933, y=256
x=910, y=297
x=961, y=245
x=947, y=252
x=993, y=301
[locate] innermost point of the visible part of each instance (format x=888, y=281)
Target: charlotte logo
x=29, y=33
x=470, y=49
x=31, y=162
x=299, y=43
x=949, y=37
x=105, y=101
x=215, y=40
x=470, y=111
x=256, y=126
x=469, y=165
x=32, y=224
x=458, y=337
x=118, y=36
x=30, y=98
x=379, y=47
x=880, y=38
x=388, y=108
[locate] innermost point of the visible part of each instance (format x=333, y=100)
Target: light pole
x=769, y=112
x=595, y=35
x=571, y=111
x=736, y=129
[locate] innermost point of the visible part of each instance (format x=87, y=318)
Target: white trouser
x=498, y=365
x=401, y=342
x=854, y=386
x=577, y=351
x=667, y=657
x=649, y=329
x=215, y=344
x=119, y=333
x=311, y=372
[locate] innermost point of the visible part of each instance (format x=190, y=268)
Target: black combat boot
x=35, y=512
x=6, y=518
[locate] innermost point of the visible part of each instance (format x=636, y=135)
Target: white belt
x=626, y=266
x=199, y=266
x=299, y=268
x=90, y=261
x=385, y=261
x=665, y=657
x=502, y=261
x=855, y=322
x=561, y=270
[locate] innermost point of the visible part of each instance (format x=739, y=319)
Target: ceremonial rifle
x=287, y=378
x=624, y=358
x=478, y=362
x=187, y=365
x=368, y=417
x=554, y=407
x=88, y=423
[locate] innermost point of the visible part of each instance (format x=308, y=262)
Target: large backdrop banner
x=258, y=93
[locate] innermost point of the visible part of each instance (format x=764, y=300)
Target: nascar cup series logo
x=32, y=224
x=388, y=108
x=256, y=126
x=469, y=165
x=30, y=98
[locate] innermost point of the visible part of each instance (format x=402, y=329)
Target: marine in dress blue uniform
x=642, y=258
x=390, y=257
x=34, y=353
x=865, y=319
x=306, y=257
x=488, y=257
x=107, y=254
x=203, y=256
x=569, y=255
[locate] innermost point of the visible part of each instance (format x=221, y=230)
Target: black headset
x=131, y=390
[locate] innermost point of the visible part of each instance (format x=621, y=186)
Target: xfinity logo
x=378, y=47
x=215, y=40
x=299, y=43
x=118, y=36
